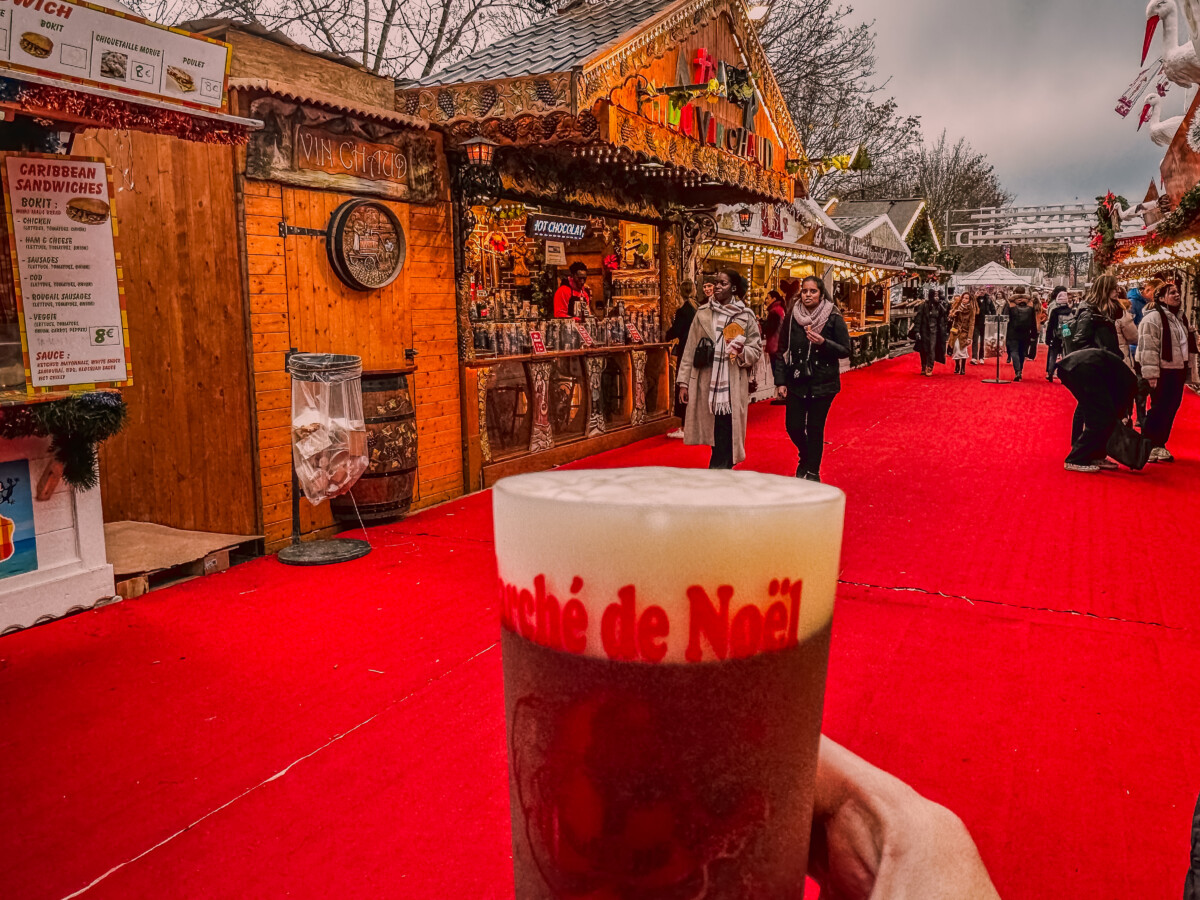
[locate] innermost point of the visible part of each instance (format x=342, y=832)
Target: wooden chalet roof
x=558, y=43
x=903, y=213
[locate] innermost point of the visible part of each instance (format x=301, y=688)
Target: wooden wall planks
x=297, y=301
x=184, y=458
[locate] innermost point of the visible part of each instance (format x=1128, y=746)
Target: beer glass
x=665, y=634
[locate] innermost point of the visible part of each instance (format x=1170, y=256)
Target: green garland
x=1104, y=237
x=1178, y=221
x=76, y=426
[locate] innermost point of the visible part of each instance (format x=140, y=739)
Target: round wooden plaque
x=366, y=244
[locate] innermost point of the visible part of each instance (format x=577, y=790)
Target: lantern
x=744, y=216
x=479, y=151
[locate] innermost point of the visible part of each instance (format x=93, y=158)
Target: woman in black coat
x=931, y=331
x=813, y=340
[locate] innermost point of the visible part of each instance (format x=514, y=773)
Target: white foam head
x=571, y=544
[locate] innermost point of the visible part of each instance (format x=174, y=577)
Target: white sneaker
x=1072, y=467
x=1158, y=454
x=677, y=433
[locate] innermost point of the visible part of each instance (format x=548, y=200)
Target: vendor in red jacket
x=573, y=300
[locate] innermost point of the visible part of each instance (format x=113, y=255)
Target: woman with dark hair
x=962, y=323
x=812, y=343
x=715, y=383
x=1166, y=343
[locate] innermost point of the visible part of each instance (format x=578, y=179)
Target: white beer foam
x=664, y=531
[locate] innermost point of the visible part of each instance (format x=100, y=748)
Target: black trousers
x=722, y=451
x=1018, y=350
x=1052, y=355
x=805, y=422
x=977, y=344
x=1164, y=404
x=926, y=354
x=1095, y=418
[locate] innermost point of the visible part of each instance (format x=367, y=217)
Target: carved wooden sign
x=342, y=154
x=314, y=148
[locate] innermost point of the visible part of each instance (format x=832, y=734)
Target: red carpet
x=1048, y=699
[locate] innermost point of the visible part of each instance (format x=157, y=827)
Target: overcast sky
x=1032, y=83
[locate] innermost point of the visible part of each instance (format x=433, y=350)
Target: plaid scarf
x=720, y=400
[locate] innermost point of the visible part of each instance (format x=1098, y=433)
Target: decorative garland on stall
x=39, y=100
x=76, y=427
x=1179, y=220
x=1104, y=237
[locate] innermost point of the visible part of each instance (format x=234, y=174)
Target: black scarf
x=1168, y=339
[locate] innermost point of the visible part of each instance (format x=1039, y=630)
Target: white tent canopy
x=991, y=274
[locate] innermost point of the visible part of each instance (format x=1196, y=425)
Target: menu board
x=69, y=296
x=107, y=48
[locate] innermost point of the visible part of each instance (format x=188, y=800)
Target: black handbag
x=705, y=352
x=1128, y=447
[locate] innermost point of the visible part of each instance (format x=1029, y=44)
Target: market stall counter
x=542, y=409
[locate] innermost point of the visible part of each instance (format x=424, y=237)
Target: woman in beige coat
x=718, y=394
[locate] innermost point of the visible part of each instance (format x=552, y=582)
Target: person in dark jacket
x=931, y=331
x=1096, y=321
x=1022, y=330
x=776, y=312
x=678, y=332
x=813, y=341
x=984, y=307
x=1104, y=387
x=1060, y=309
x=1095, y=329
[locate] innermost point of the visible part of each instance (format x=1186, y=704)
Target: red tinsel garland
x=121, y=114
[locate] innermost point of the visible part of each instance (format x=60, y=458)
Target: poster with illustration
x=637, y=245
x=18, y=542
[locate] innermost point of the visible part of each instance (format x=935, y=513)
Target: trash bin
x=329, y=437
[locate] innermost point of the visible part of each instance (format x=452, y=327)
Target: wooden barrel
x=385, y=490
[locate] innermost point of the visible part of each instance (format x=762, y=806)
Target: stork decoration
x=1162, y=131
x=1179, y=60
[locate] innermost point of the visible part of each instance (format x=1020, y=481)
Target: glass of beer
x=665, y=634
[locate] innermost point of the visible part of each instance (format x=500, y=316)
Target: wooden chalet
x=631, y=119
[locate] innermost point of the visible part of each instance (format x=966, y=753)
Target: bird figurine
x=1162, y=131
x=1179, y=61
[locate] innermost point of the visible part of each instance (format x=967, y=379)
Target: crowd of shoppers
x=1125, y=357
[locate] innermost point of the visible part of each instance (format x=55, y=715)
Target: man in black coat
x=681, y=325
x=984, y=307
x=931, y=331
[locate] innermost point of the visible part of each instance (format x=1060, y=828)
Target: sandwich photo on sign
x=87, y=211
x=181, y=79
x=36, y=44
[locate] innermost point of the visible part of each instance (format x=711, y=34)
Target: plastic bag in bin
x=329, y=436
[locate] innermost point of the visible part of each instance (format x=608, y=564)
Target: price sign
x=634, y=335
x=584, y=334
x=68, y=284
x=535, y=338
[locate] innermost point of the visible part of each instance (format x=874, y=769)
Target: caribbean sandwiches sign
x=86, y=44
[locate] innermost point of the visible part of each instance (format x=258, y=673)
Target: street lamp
x=744, y=216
